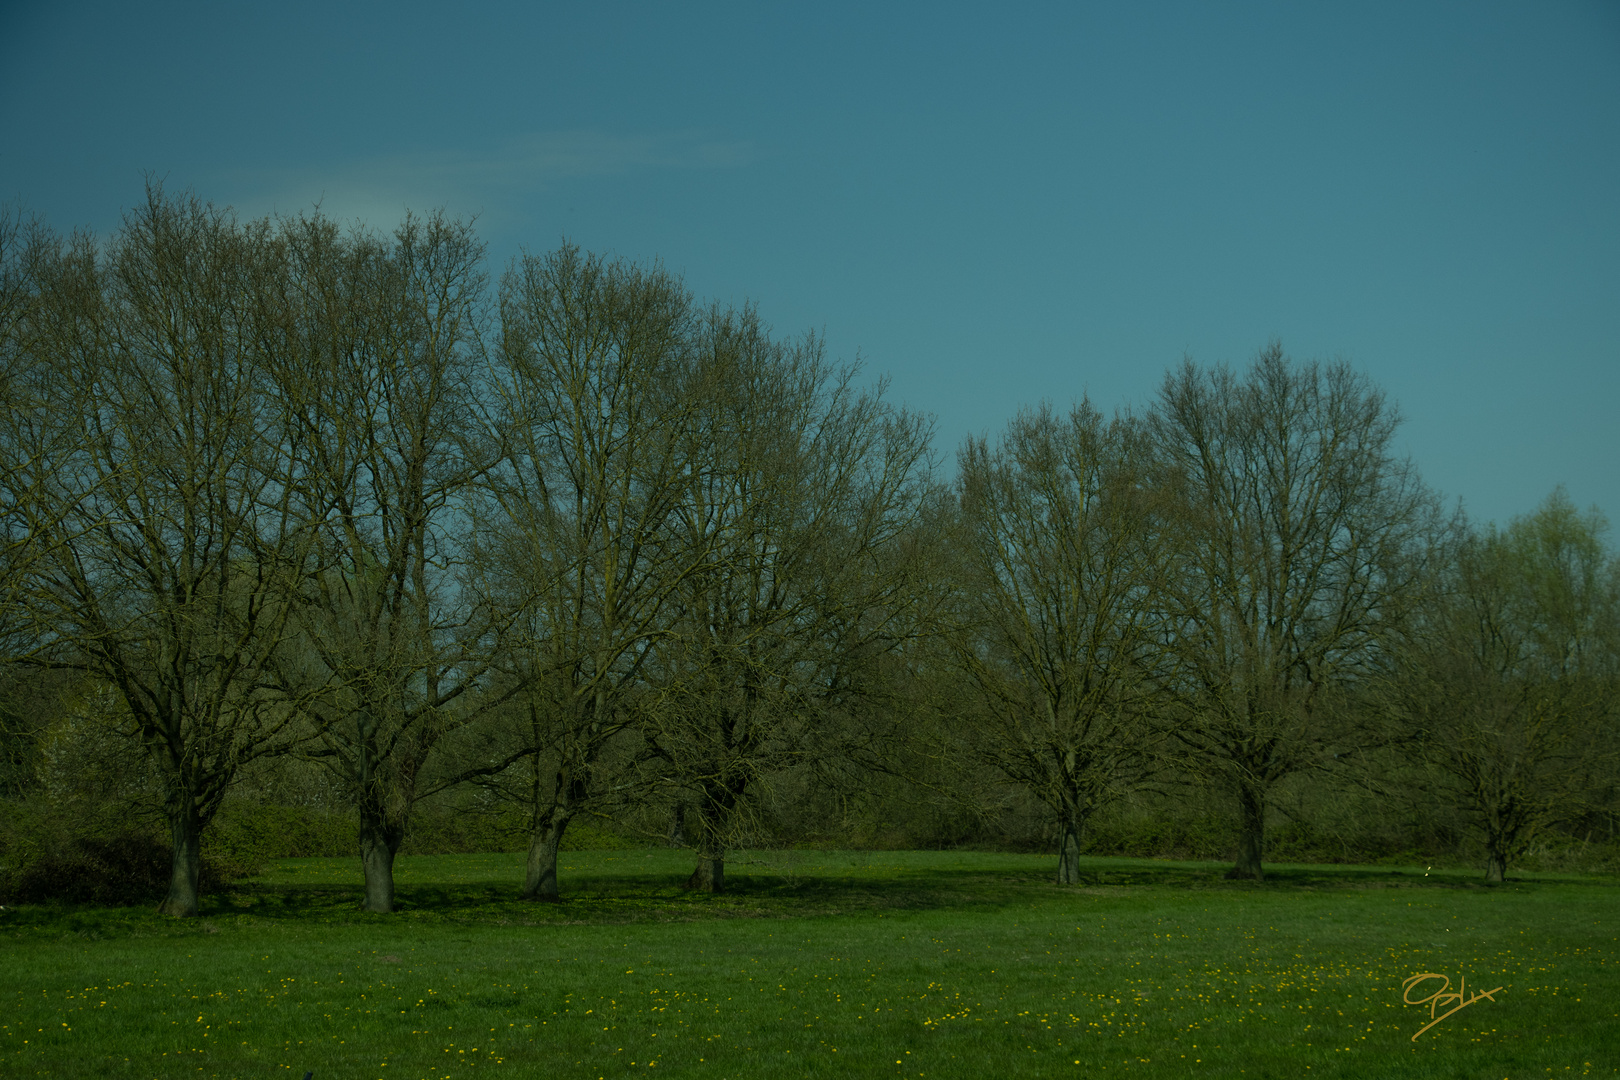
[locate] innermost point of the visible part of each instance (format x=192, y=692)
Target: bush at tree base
x=126, y=869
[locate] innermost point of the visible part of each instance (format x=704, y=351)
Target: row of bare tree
x=1248, y=585
x=291, y=490
x=286, y=489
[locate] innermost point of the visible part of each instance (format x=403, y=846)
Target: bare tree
x=40, y=431
x=1509, y=678
x=593, y=381
x=800, y=491
x=384, y=395
x=1295, y=525
x=163, y=545
x=32, y=442
x=1062, y=609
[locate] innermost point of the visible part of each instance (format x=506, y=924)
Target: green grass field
x=902, y=964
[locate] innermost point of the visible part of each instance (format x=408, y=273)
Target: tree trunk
x=1252, y=834
x=185, y=829
x=1502, y=831
x=379, y=842
x=677, y=826
x=549, y=820
x=1496, y=858
x=1069, y=848
x=710, y=875
x=540, y=880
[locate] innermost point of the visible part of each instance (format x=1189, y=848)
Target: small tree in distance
x=800, y=490
x=1061, y=601
x=1510, y=679
x=593, y=374
x=1295, y=526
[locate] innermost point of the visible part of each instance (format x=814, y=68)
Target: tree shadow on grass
x=622, y=898
x=751, y=893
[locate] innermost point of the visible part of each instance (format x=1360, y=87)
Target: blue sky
x=992, y=206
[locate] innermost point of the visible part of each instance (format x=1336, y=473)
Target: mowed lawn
x=903, y=964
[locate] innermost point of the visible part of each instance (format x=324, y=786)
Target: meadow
x=824, y=964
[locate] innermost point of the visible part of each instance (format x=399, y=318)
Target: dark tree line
x=280, y=490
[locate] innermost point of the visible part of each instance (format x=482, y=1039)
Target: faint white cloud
x=378, y=190
x=590, y=153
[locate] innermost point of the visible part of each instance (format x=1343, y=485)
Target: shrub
x=246, y=835
x=128, y=868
